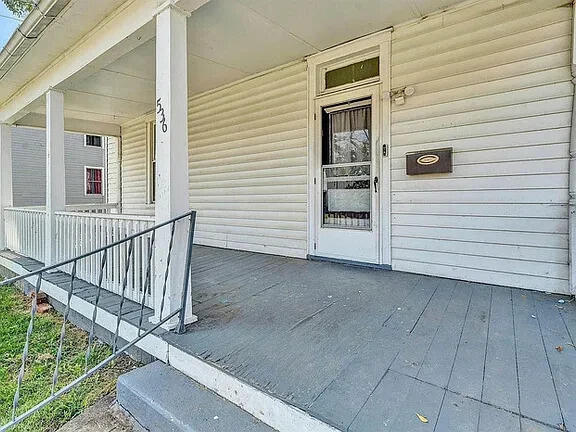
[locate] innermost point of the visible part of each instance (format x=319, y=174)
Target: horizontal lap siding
x=113, y=170
x=493, y=82
x=133, y=168
x=29, y=167
x=248, y=159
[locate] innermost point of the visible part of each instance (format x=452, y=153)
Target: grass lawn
x=14, y=318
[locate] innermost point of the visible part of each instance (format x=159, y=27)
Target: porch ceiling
x=227, y=40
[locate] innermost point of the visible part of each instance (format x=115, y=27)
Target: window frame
x=349, y=62
x=151, y=138
x=343, y=62
x=86, y=168
x=94, y=146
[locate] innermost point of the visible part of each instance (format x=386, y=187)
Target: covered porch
x=215, y=117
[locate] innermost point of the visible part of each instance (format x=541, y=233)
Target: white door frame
x=363, y=48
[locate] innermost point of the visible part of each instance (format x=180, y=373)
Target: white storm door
x=347, y=187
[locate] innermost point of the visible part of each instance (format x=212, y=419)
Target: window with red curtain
x=93, y=181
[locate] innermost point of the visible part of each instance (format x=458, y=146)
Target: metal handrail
x=181, y=311
x=86, y=375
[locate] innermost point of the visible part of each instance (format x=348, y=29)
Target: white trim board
x=270, y=410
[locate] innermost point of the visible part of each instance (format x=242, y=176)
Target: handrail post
x=186, y=285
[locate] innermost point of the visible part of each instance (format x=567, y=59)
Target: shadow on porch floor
x=368, y=350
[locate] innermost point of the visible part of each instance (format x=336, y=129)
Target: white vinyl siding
x=133, y=168
x=493, y=82
x=248, y=163
x=113, y=169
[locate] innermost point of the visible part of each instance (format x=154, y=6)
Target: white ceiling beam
x=72, y=125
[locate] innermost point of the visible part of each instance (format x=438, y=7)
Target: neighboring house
x=431, y=137
x=84, y=161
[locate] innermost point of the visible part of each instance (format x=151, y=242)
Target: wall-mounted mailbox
x=429, y=162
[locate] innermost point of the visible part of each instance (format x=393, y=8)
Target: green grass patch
x=14, y=319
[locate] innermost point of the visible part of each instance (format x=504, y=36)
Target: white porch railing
x=94, y=208
x=79, y=233
x=25, y=229
x=86, y=228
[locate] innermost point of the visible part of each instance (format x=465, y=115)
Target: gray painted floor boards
x=367, y=350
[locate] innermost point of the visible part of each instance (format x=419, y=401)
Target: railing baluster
x=169, y=256
x=120, y=257
x=137, y=270
x=147, y=281
x=109, y=268
x=95, y=311
x=33, y=310
x=63, y=329
x=123, y=295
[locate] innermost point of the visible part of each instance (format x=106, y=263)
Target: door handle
x=376, y=184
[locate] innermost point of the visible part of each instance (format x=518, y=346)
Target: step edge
x=272, y=411
x=161, y=412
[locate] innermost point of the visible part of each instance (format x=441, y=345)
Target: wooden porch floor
x=368, y=350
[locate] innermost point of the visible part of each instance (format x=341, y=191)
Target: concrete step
x=162, y=399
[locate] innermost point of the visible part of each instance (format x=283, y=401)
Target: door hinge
x=314, y=180
x=314, y=245
x=314, y=116
x=384, y=150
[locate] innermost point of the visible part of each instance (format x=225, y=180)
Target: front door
x=347, y=181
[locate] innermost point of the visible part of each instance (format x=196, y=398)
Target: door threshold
x=349, y=262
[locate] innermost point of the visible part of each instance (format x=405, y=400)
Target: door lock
x=376, y=184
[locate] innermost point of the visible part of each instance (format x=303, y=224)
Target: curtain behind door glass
x=349, y=136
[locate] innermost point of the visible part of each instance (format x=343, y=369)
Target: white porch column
x=5, y=177
x=171, y=155
x=55, y=178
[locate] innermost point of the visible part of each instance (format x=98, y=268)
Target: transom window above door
x=352, y=73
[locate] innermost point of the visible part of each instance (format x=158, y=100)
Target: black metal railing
x=103, y=252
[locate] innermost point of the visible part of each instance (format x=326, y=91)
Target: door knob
x=376, y=184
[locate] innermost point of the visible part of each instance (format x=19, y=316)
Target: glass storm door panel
x=346, y=167
x=348, y=227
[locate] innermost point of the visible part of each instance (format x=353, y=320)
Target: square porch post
x=171, y=158
x=5, y=177
x=55, y=178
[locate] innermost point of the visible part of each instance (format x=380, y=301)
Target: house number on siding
x=163, y=116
